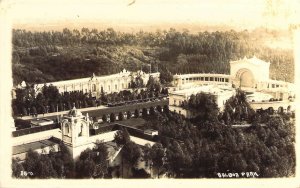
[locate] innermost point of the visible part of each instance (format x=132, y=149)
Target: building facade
x=178, y=97
x=249, y=74
x=96, y=84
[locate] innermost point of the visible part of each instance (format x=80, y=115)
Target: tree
x=165, y=76
x=31, y=164
x=159, y=109
x=45, y=167
x=17, y=167
x=144, y=112
x=121, y=116
x=104, y=118
x=140, y=173
x=166, y=109
x=131, y=153
x=152, y=111
x=85, y=166
x=34, y=111
x=155, y=154
x=100, y=160
x=153, y=85
x=136, y=113
x=41, y=166
x=112, y=117
x=92, y=163
x=24, y=111
x=122, y=137
x=129, y=114
x=205, y=106
x=137, y=82
x=67, y=162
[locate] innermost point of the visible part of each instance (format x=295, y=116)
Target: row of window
x=276, y=85
x=175, y=102
x=94, y=88
x=215, y=79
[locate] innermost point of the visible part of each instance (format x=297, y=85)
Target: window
x=67, y=130
x=226, y=80
x=94, y=88
x=206, y=78
x=116, y=86
x=122, y=86
x=108, y=88
x=81, y=128
x=211, y=79
x=174, y=102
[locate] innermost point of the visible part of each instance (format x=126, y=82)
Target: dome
x=74, y=113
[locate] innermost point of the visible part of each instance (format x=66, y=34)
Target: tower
x=75, y=131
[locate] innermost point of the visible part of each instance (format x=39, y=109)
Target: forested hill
x=51, y=56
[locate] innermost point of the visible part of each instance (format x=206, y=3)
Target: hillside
x=51, y=56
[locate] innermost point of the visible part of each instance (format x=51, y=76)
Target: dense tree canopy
x=211, y=147
x=54, y=165
x=54, y=55
x=92, y=163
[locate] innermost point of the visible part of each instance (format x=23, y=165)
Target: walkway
x=53, y=114
x=100, y=110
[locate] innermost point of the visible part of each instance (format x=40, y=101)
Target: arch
x=66, y=129
x=94, y=88
x=245, y=77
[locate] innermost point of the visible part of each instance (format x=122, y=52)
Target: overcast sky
x=237, y=13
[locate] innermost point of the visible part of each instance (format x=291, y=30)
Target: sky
x=246, y=14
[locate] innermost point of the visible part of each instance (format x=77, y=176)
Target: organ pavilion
x=250, y=75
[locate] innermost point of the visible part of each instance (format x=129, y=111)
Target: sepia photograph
x=135, y=90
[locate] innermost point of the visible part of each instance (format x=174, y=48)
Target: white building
x=221, y=94
x=183, y=81
x=75, y=134
x=251, y=75
x=96, y=84
x=247, y=73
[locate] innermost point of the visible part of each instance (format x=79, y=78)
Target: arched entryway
x=245, y=78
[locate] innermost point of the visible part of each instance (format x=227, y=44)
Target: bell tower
x=75, y=129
